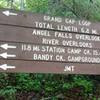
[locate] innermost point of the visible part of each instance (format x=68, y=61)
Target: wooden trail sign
x=26, y=19
x=34, y=52
x=48, y=37
x=44, y=44
x=48, y=67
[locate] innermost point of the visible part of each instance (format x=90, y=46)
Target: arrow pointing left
x=8, y=13
x=5, y=55
x=5, y=67
x=6, y=46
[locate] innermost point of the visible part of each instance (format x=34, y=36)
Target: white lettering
x=59, y=58
x=85, y=30
x=84, y=59
x=87, y=37
x=76, y=44
x=69, y=68
x=46, y=57
x=63, y=35
x=94, y=31
x=50, y=41
x=67, y=28
x=41, y=32
x=96, y=52
x=84, y=23
x=53, y=49
x=87, y=52
x=73, y=51
x=44, y=25
x=28, y=47
x=52, y=19
x=69, y=21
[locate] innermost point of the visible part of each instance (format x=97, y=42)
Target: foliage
x=8, y=92
x=46, y=85
x=86, y=83
x=40, y=6
x=3, y=3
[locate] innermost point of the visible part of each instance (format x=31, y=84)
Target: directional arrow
x=8, y=13
x=5, y=67
x=6, y=46
x=5, y=55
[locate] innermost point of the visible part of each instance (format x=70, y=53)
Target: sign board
x=48, y=67
x=26, y=19
x=48, y=37
x=44, y=44
x=35, y=52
